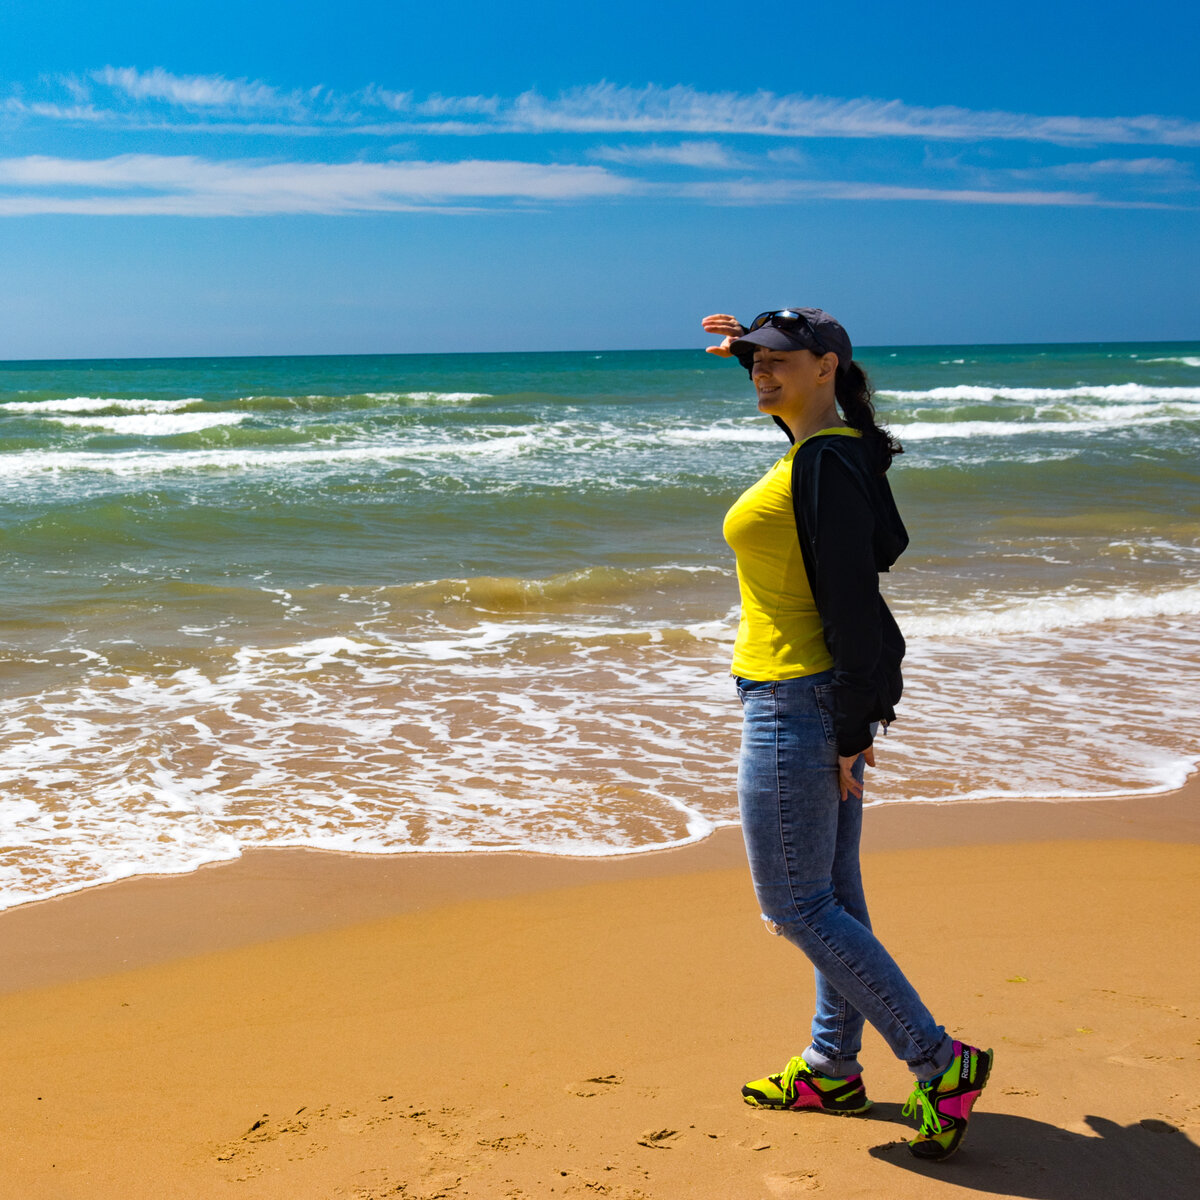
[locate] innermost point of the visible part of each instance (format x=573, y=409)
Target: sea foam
x=153, y=425
x=96, y=404
x=139, y=462
x=922, y=431
x=1052, y=611
x=1125, y=392
x=555, y=737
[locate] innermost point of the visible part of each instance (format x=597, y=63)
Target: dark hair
x=854, y=396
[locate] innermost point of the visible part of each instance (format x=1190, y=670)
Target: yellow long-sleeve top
x=779, y=634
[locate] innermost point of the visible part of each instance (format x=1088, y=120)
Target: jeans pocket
x=823, y=696
x=747, y=689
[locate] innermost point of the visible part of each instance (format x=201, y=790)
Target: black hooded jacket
x=850, y=531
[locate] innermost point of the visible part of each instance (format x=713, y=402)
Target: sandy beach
x=304, y=1025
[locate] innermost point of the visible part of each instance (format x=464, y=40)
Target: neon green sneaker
x=943, y=1104
x=799, y=1086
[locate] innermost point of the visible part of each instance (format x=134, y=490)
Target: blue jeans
x=802, y=842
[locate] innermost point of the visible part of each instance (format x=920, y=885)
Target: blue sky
x=386, y=177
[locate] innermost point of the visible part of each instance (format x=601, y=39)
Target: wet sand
x=300, y=1025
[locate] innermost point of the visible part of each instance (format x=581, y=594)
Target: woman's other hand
x=728, y=327
x=847, y=784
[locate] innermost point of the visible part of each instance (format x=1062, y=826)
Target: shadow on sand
x=1016, y=1156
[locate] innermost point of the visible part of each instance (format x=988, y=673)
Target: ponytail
x=854, y=397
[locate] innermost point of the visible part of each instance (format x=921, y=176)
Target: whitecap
x=147, y=462
x=720, y=433
x=1128, y=392
x=96, y=404
x=922, y=431
x=1063, y=610
x=153, y=425
x=446, y=397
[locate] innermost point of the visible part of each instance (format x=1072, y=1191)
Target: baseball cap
x=794, y=329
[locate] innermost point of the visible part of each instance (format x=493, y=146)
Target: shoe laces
x=919, y=1105
x=787, y=1079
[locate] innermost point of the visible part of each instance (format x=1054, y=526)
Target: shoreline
x=273, y=893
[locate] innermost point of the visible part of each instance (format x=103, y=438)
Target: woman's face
x=787, y=381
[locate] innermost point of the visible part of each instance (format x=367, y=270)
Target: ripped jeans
x=802, y=843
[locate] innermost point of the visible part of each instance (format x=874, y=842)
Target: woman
x=817, y=662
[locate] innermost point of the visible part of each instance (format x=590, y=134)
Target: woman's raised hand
x=728, y=327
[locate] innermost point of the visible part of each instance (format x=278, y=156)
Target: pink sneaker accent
x=943, y=1104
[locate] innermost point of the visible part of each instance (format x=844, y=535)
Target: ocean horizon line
x=883, y=346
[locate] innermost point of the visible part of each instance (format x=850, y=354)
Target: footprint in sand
x=505, y=1142
x=793, y=1183
x=658, y=1139
x=373, y=1184
x=757, y=1138
x=598, y=1085
x=265, y=1130
x=581, y=1185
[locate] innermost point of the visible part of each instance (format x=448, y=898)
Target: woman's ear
x=829, y=366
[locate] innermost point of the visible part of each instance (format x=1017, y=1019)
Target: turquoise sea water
x=415, y=603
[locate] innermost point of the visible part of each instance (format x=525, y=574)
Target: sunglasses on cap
x=787, y=319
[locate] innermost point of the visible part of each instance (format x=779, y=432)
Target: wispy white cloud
x=147, y=184
x=184, y=185
x=55, y=112
x=78, y=88
x=783, y=191
x=436, y=105
x=1137, y=168
x=442, y=106
x=606, y=108
x=685, y=154
x=377, y=97
x=199, y=91
x=788, y=156
x=1124, y=178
